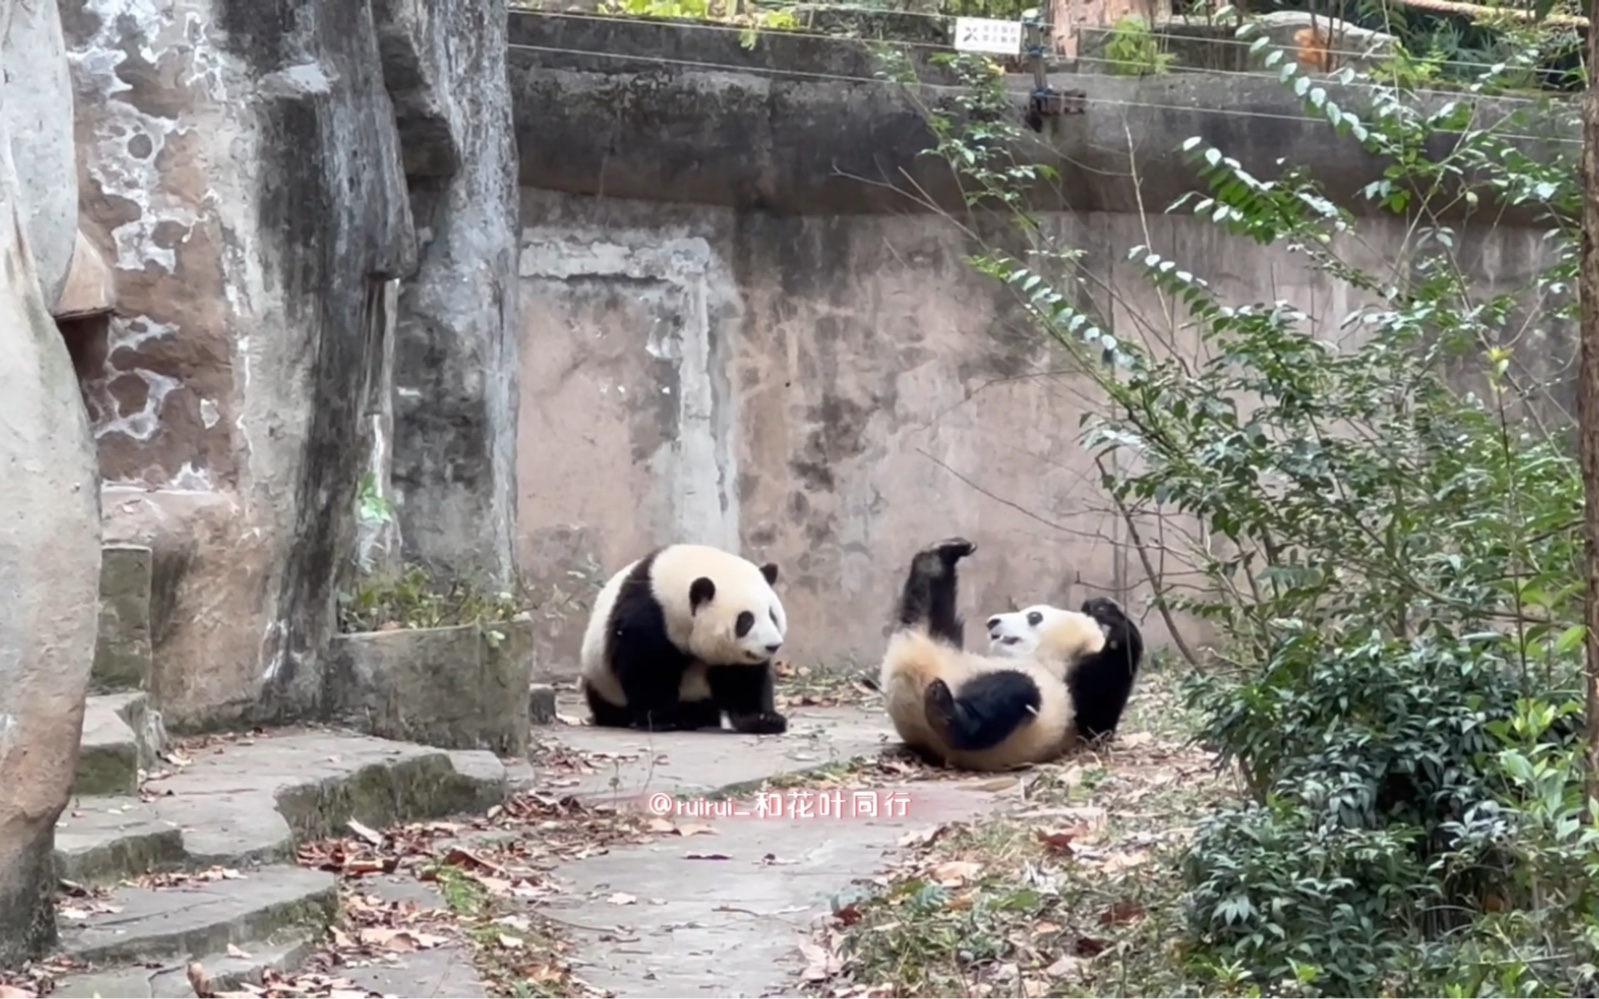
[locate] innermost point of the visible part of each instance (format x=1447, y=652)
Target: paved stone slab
x=161, y=923
x=108, y=752
x=445, y=971
x=171, y=981
x=730, y=926
x=250, y=802
x=704, y=761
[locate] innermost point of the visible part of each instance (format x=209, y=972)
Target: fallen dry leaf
x=820, y=965
x=1089, y=947
x=849, y=915
x=692, y=830
x=1122, y=861
x=365, y=832
x=509, y=942
x=234, y=951
x=1058, y=843
x=954, y=873
x=1121, y=912
x=706, y=856
x=622, y=898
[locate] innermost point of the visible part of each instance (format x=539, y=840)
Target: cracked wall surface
x=247, y=172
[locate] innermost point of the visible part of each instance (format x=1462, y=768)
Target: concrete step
x=175, y=925
x=120, y=736
x=253, y=800
x=226, y=972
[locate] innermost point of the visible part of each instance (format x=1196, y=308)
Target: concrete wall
x=725, y=338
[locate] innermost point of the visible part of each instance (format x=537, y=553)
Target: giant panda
x=682, y=635
x=1102, y=682
x=970, y=711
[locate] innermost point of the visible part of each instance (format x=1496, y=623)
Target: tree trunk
x=1588, y=395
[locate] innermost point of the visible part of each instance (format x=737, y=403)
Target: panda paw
x=762, y=723
x=951, y=550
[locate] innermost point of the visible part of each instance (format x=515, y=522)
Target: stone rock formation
x=50, y=503
x=256, y=176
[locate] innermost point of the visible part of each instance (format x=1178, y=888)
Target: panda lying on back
x=681, y=636
x=970, y=711
x=1102, y=682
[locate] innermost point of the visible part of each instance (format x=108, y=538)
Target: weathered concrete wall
x=832, y=393
x=631, y=109
x=49, y=503
x=794, y=360
x=245, y=172
x=454, y=460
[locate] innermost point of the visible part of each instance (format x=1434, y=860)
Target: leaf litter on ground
x=504, y=859
x=1084, y=831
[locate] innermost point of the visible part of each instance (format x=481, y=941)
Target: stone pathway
x=720, y=912
x=723, y=914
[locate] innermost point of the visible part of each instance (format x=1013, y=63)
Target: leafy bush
x=1392, y=560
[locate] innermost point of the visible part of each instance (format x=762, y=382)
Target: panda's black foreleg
x=749, y=696
x=651, y=675
x=929, y=595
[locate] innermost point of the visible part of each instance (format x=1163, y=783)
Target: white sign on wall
x=982, y=34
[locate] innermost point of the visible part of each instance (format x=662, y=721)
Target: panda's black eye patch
x=1035, y=619
x=745, y=622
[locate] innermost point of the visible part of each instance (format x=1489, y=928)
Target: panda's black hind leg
x=749, y=696
x=986, y=710
x=929, y=595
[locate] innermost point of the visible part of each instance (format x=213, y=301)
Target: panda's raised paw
x=762, y=723
x=951, y=550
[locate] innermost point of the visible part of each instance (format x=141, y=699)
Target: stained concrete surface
x=722, y=913
x=637, y=764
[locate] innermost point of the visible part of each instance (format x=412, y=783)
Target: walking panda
x=681, y=636
x=1102, y=683
x=970, y=711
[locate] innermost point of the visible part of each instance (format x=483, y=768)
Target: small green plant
x=729, y=12
x=411, y=598
x=1133, y=49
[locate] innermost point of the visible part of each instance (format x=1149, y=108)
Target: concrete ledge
x=90, y=288
x=598, y=111
x=120, y=735
x=456, y=688
x=157, y=924
x=226, y=972
x=254, y=801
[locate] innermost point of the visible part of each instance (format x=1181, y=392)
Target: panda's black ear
x=769, y=570
x=700, y=592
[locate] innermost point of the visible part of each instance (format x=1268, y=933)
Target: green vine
x=1132, y=48
x=753, y=20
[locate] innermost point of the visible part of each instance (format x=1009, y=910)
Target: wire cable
x=774, y=71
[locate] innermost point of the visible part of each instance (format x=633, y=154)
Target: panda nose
x=774, y=647
x=993, y=623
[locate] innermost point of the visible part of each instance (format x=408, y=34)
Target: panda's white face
x=740, y=623
x=1015, y=635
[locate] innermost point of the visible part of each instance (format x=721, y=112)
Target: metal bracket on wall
x=1045, y=101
